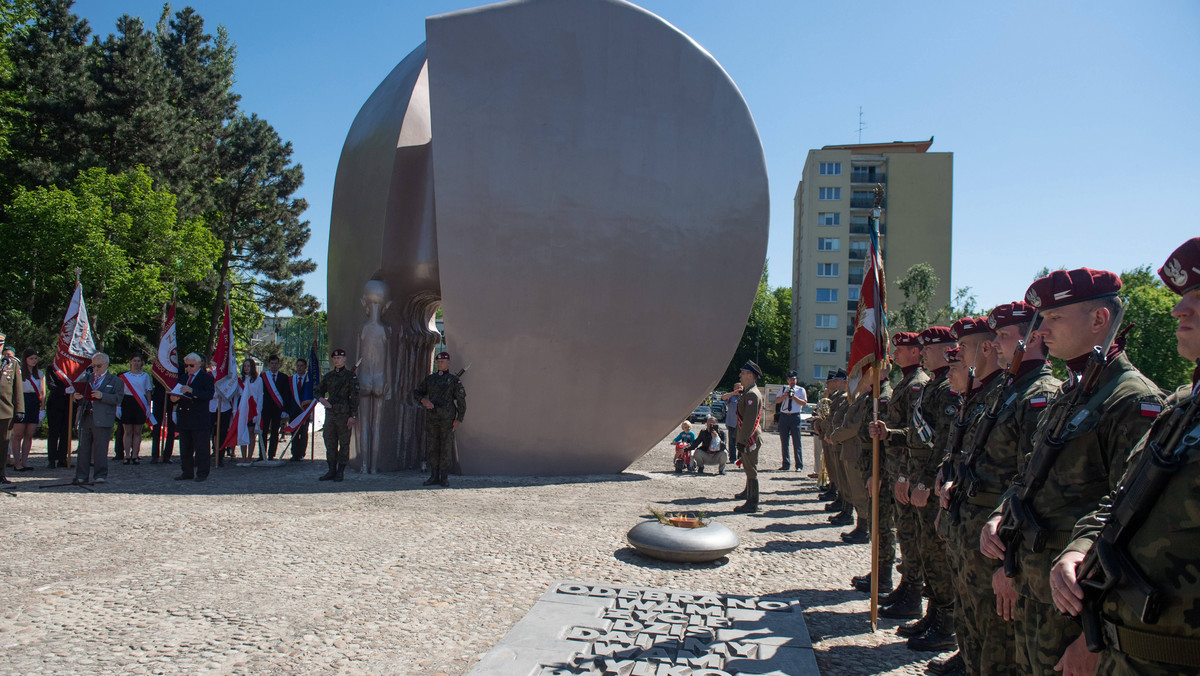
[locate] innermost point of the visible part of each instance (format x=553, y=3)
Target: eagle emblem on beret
x=1175, y=271
x=1032, y=298
x=991, y=321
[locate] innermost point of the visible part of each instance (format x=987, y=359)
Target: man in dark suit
x=275, y=403
x=98, y=394
x=195, y=390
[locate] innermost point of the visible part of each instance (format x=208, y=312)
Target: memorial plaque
x=581, y=628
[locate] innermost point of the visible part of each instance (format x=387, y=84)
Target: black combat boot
x=860, y=534
x=329, y=460
x=444, y=479
x=843, y=518
x=917, y=628
x=341, y=472
x=897, y=593
x=949, y=665
x=751, y=504
x=433, y=479
x=745, y=491
x=905, y=604
x=835, y=506
x=863, y=582
x=828, y=495
x=938, y=637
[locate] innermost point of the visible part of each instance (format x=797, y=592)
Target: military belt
x=1183, y=651
x=985, y=499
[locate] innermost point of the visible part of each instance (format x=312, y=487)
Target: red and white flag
x=247, y=410
x=166, y=362
x=225, y=360
x=301, y=418
x=869, y=344
x=75, y=344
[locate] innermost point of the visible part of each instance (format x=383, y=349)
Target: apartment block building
x=831, y=237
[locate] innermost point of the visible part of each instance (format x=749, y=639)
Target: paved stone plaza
x=266, y=570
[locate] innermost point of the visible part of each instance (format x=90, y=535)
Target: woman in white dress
x=249, y=409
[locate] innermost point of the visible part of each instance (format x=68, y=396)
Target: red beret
x=1181, y=272
x=1063, y=287
x=935, y=335
x=1007, y=314
x=904, y=339
x=953, y=355
x=968, y=326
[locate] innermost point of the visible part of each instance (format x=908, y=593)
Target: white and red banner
x=273, y=389
x=75, y=344
x=140, y=397
x=248, y=409
x=225, y=360
x=869, y=344
x=301, y=419
x=166, y=362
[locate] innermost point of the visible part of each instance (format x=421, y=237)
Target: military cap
x=969, y=326
x=904, y=339
x=793, y=374
x=953, y=355
x=753, y=368
x=935, y=335
x=1065, y=287
x=839, y=374
x=1181, y=272
x=1007, y=314
x=443, y=355
x=338, y=353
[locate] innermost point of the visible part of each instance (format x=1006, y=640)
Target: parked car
x=806, y=420
x=700, y=414
x=718, y=410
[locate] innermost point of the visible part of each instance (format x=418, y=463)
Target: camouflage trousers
x=934, y=562
x=887, y=523
x=987, y=640
x=907, y=534
x=439, y=444
x=1042, y=635
x=336, y=435
x=1113, y=663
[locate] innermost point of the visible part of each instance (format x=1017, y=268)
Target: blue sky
x=1074, y=125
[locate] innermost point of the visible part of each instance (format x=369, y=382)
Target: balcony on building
x=868, y=202
x=852, y=306
x=867, y=176
x=865, y=228
x=855, y=280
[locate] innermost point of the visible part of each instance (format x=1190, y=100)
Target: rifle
x=988, y=422
x=1019, y=522
x=1107, y=566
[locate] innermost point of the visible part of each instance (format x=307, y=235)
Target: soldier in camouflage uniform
x=937, y=409
x=991, y=458
x=859, y=471
x=12, y=403
x=898, y=436
x=974, y=369
x=1165, y=544
x=338, y=393
x=839, y=403
x=1077, y=310
x=853, y=436
x=445, y=403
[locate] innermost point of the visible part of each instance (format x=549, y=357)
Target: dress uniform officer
x=1067, y=479
x=749, y=435
x=12, y=402
x=445, y=402
x=338, y=393
x=1162, y=534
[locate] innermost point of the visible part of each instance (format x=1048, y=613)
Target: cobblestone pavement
x=266, y=570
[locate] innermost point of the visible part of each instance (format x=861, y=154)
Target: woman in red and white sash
x=33, y=387
x=135, y=407
x=249, y=417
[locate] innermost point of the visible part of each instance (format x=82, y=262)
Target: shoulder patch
x=1037, y=402
x=951, y=410
x=916, y=388
x=1150, y=409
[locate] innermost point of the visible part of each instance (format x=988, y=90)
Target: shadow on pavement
x=634, y=557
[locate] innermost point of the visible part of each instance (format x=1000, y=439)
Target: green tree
x=1152, y=345
x=258, y=220
x=126, y=237
x=767, y=335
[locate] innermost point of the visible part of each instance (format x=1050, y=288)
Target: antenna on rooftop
x=861, y=126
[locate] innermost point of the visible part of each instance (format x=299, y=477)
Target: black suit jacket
x=283, y=385
x=192, y=414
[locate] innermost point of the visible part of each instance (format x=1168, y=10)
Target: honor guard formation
x=1044, y=527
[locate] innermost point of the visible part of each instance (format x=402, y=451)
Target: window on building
x=831, y=168
x=827, y=295
x=827, y=269
x=826, y=321
x=828, y=244
x=829, y=193
x=825, y=346
x=829, y=218
x=820, y=372
x=852, y=293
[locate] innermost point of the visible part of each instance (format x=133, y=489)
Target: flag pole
x=875, y=490
x=71, y=399
x=220, y=397
x=311, y=423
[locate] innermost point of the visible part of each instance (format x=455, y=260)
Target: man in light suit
x=99, y=394
x=192, y=419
